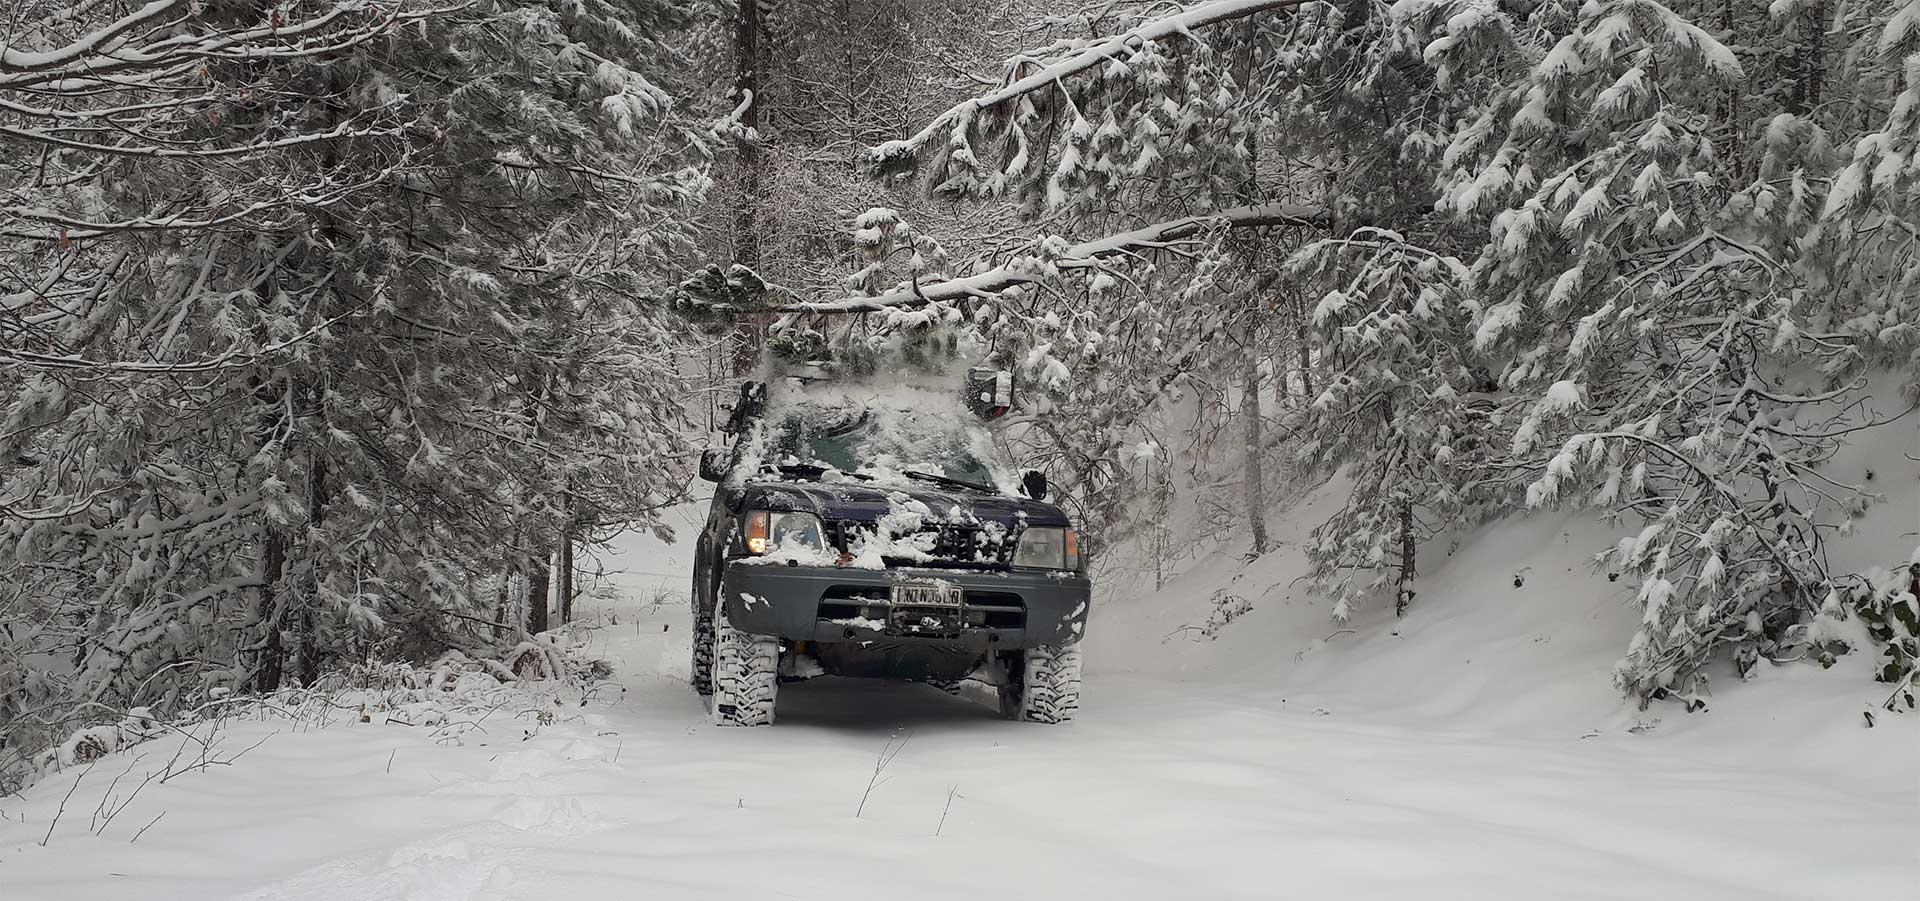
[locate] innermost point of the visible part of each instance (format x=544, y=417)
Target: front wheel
x=1042, y=685
x=700, y=671
x=746, y=674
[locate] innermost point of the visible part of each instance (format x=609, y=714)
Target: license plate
x=926, y=593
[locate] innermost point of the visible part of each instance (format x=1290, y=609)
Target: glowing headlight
x=1047, y=547
x=768, y=530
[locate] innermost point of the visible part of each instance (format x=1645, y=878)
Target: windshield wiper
x=814, y=472
x=947, y=480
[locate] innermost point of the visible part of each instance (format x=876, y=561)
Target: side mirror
x=989, y=392
x=753, y=402
x=1034, y=483
x=713, y=464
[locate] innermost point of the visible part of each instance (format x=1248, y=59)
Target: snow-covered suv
x=859, y=530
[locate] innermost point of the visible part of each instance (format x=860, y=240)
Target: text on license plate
x=931, y=592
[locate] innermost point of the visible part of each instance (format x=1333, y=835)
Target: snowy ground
x=1381, y=764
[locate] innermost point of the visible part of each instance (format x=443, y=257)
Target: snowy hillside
x=1472, y=750
x=1514, y=633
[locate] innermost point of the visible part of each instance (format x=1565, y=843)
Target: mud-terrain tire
x=700, y=672
x=1046, y=689
x=746, y=674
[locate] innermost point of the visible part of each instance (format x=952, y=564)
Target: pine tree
x=1584, y=252
x=360, y=294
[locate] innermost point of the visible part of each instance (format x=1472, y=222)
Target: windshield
x=857, y=440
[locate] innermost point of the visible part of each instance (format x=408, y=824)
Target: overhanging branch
x=892, y=153
x=1083, y=255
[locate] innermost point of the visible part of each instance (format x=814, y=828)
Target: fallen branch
x=114, y=810
x=880, y=763
x=1897, y=689
x=955, y=790
x=143, y=829
x=69, y=796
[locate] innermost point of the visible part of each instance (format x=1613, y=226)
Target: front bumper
x=808, y=603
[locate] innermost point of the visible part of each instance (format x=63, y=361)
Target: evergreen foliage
x=320, y=319
x=326, y=325
x=1639, y=256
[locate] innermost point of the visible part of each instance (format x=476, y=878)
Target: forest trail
x=1487, y=424
x=1159, y=790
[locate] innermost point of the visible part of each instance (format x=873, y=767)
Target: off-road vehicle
x=876, y=531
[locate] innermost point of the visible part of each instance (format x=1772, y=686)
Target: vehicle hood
x=860, y=502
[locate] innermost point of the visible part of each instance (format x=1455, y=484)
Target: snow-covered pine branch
x=1054, y=256
x=1404, y=412
x=1155, y=114
x=1673, y=279
x=1032, y=75
x=149, y=48
x=322, y=334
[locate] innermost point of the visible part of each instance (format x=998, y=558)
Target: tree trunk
x=1256, y=471
x=501, y=614
x=538, y=575
x=746, y=87
x=270, y=610
x=1404, y=594
x=1250, y=393
x=565, y=587
x=270, y=600
x=1810, y=61
x=306, y=644
x=1306, y=363
x=746, y=215
x=1409, y=546
x=538, y=562
x=1730, y=110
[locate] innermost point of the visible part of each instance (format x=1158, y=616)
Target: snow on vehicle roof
x=889, y=390
x=918, y=417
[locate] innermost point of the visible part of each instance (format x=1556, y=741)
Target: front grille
x=842, y=604
x=967, y=546
x=1002, y=609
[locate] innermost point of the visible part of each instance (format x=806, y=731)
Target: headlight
x=768, y=530
x=1048, y=547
